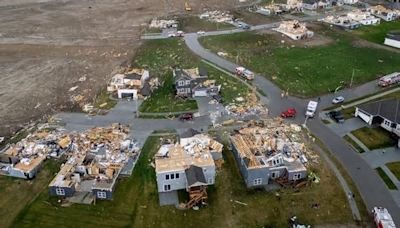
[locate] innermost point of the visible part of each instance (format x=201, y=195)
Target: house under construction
x=269, y=153
x=188, y=165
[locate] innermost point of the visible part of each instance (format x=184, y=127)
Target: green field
x=377, y=33
x=389, y=183
x=16, y=193
x=135, y=203
x=394, y=168
x=306, y=71
x=374, y=138
x=103, y=98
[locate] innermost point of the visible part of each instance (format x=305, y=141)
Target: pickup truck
x=311, y=109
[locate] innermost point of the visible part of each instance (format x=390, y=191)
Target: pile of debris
x=163, y=24
x=95, y=161
x=24, y=158
x=294, y=30
x=274, y=8
x=217, y=16
x=271, y=151
x=247, y=106
x=132, y=83
x=352, y=20
x=384, y=13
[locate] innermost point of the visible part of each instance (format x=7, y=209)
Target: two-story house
x=194, y=83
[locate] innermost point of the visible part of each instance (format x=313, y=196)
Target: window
x=101, y=195
x=60, y=192
x=275, y=174
x=210, y=181
x=257, y=181
x=172, y=176
x=167, y=187
x=187, y=82
x=177, y=175
x=181, y=83
x=167, y=177
x=297, y=176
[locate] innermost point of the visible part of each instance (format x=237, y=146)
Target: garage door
x=127, y=95
x=364, y=116
x=200, y=93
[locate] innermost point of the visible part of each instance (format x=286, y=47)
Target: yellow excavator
x=187, y=6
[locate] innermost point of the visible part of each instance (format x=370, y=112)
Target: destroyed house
x=25, y=158
x=130, y=84
x=92, y=170
x=266, y=154
x=194, y=83
x=187, y=164
x=294, y=30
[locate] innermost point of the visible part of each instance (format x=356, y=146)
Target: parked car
x=201, y=32
x=243, y=72
x=311, y=109
x=290, y=112
x=186, y=117
x=171, y=35
x=337, y=116
x=180, y=33
x=382, y=218
x=338, y=100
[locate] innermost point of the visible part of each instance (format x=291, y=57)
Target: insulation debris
x=294, y=30
x=217, y=16
x=162, y=24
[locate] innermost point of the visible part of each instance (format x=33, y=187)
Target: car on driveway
x=338, y=100
x=201, y=32
x=186, y=117
x=290, y=112
x=337, y=116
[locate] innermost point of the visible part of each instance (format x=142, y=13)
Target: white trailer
x=389, y=79
x=382, y=218
x=311, y=109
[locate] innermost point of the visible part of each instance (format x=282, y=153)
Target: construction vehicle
x=382, y=218
x=187, y=6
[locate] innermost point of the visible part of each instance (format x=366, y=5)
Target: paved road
x=373, y=190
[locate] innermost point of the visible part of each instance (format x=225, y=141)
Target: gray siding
x=176, y=183
x=108, y=194
x=68, y=191
x=258, y=173
x=303, y=174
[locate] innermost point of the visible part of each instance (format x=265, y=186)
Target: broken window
x=275, y=174
x=60, y=192
x=297, y=176
x=257, y=181
x=101, y=195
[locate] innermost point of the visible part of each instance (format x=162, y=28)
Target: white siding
x=392, y=43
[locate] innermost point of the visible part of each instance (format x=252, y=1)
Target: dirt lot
x=47, y=45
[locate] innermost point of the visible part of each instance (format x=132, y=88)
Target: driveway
x=347, y=127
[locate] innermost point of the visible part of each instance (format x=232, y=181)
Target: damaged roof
x=388, y=109
x=195, y=176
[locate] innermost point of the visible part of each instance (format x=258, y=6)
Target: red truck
x=290, y=112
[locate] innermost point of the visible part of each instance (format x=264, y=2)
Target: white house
x=363, y=17
x=385, y=113
x=350, y=2
x=393, y=39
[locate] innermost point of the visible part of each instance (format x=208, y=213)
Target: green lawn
x=159, y=56
x=389, y=183
x=353, y=144
x=306, y=71
x=164, y=100
x=374, y=138
x=135, y=203
x=394, y=168
x=377, y=33
x=194, y=24
x=16, y=193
